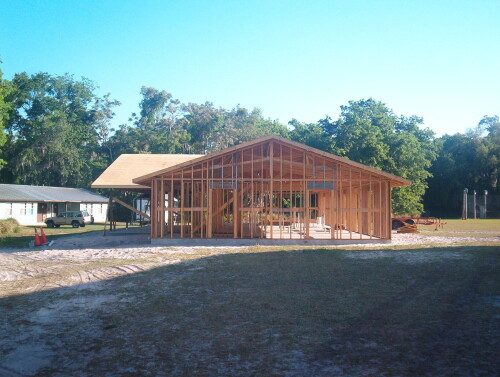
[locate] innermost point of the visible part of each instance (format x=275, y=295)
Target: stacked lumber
x=408, y=228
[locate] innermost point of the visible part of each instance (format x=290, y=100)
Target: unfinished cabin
x=268, y=189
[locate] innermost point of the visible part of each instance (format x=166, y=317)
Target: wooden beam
x=129, y=207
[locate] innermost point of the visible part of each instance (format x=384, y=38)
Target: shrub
x=9, y=226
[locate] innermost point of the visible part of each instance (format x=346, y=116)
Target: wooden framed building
x=270, y=188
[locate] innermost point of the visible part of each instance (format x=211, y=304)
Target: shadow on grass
x=316, y=313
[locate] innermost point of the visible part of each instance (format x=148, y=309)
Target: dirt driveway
x=123, y=308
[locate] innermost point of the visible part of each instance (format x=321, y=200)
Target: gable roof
x=126, y=167
x=25, y=193
x=395, y=180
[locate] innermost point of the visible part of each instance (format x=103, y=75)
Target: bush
x=9, y=226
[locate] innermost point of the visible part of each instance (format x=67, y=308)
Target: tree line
x=56, y=130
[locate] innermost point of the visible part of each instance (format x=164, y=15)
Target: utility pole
x=464, y=206
x=485, y=201
x=475, y=205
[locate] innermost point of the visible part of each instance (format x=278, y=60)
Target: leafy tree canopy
x=6, y=108
x=367, y=131
x=469, y=160
x=53, y=131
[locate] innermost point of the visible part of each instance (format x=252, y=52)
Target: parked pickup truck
x=73, y=218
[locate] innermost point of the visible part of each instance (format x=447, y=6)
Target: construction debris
x=408, y=228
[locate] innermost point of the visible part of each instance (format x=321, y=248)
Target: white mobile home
x=31, y=205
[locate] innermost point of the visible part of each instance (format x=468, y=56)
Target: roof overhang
x=120, y=174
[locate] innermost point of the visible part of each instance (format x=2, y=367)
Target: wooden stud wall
x=270, y=190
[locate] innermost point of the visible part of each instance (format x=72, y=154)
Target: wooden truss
x=271, y=189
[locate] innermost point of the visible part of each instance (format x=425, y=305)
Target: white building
x=31, y=205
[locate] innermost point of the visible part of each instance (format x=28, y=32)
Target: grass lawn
x=256, y=312
x=27, y=233
x=471, y=225
x=464, y=228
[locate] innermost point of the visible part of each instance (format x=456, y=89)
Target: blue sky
x=292, y=59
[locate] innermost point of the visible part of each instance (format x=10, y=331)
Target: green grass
x=471, y=225
x=25, y=234
x=479, y=228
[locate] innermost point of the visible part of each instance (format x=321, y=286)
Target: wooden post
x=292, y=213
x=162, y=216
x=192, y=201
x=210, y=195
x=182, y=203
x=271, y=180
x=333, y=193
x=242, y=189
x=341, y=204
x=252, y=202
x=202, y=213
x=380, y=208
x=360, y=210
x=370, y=209
x=262, y=199
x=234, y=183
x=304, y=200
x=350, y=204
x=389, y=209
x=281, y=214
x=153, y=210
x=171, y=205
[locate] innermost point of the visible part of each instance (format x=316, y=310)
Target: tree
x=103, y=114
x=156, y=129
x=206, y=125
x=492, y=145
x=6, y=108
x=469, y=160
x=368, y=132
x=54, y=138
x=311, y=134
x=213, y=129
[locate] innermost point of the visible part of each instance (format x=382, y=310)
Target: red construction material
x=38, y=241
x=45, y=241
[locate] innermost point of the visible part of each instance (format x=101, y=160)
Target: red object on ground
x=44, y=238
x=38, y=242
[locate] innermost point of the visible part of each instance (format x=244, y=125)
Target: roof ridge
x=278, y=138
